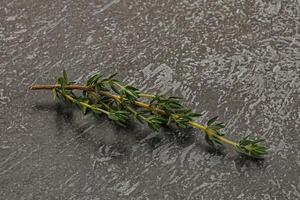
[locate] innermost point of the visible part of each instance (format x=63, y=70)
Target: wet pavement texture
x=239, y=60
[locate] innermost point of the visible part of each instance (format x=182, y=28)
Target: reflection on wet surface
x=238, y=60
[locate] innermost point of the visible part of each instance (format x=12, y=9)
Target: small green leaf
x=54, y=92
x=212, y=120
x=170, y=118
x=193, y=115
x=97, y=88
x=119, y=117
x=94, y=79
x=174, y=97
x=139, y=117
x=114, y=88
x=65, y=76
x=155, y=122
x=251, y=148
x=209, y=141
x=180, y=124
x=84, y=108
x=112, y=76
x=129, y=87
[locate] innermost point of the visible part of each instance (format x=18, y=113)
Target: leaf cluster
x=81, y=102
x=251, y=148
x=100, y=83
x=155, y=122
x=213, y=126
x=130, y=93
x=120, y=117
x=63, y=81
x=174, y=110
x=170, y=105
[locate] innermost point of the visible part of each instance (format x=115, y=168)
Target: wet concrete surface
x=236, y=59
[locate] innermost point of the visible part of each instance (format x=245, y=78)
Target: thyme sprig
x=108, y=96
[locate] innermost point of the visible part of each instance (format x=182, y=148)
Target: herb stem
x=137, y=103
x=211, y=133
x=192, y=123
x=80, y=87
x=53, y=86
x=118, y=101
x=135, y=113
x=84, y=104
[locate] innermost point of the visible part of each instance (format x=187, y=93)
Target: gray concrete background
x=236, y=59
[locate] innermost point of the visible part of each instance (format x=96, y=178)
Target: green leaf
x=174, y=97
x=217, y=127
x=112, y=76
x=193, y=115
x=65, y=76
x=97, y=111
x=114, y=88
x=180, y=124
x=54, y=92
x=209, y=141
x=170, y=118
x=220, y=125
x=139, y=117
x=130, y=93
x=119, y=117
x=212, y=120
x=85, y=108
x=79, y=101
x=98, y=88
x=129, y=87
x=213, y=141
x=155, y=122
x=94, y=79
x=61, y=81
